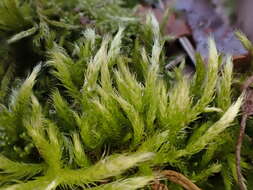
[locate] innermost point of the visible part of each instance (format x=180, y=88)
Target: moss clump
x=100, y=112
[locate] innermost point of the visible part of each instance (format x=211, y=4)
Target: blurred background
x=238, y=13
x=244, y=12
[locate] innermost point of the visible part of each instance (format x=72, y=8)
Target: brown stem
x=242, y=186
x=179, y=179
x=247, y=110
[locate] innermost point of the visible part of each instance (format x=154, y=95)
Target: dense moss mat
x=86, y=102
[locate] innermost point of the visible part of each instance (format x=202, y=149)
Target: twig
x=247, y=111
x=238, y=153
x=188, y=47
x=179, y=179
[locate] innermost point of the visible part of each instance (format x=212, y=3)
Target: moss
x=99, y=112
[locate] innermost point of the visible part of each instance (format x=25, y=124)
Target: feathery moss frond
x=80, y=156
x=22, y=96
x=127, y=184
x=47, y=139
x=13, y=18
x=63, y=111
x=18, y=108
x=115, y=44
x=224, y=88
x=14, y=170
x=211, y=170
x=216, y=129
x=210, y=81
x=135, y=119
x=94, y=66
x=109, y=167
x=5, y=81
x=199, y=77
x=62, y=64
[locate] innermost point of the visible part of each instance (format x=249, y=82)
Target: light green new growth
x=216, y=128
x=224, y=90
x=128, y=184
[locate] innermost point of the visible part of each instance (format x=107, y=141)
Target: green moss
x=99, y=111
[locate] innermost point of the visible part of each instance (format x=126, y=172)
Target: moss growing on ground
x=89, y=105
